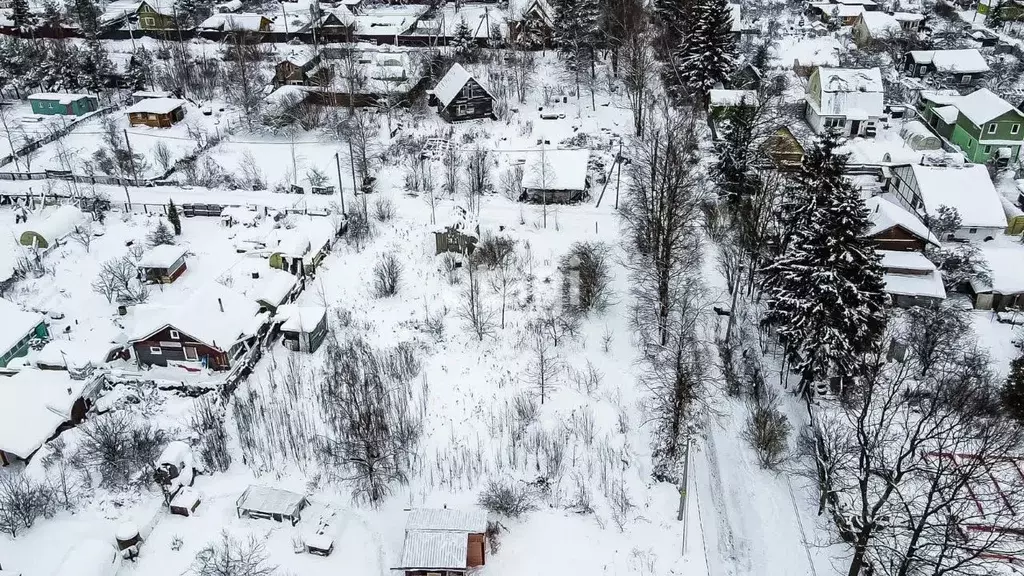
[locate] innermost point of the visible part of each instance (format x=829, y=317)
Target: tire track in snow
x=726, y=540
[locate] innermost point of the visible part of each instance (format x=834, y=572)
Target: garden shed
x=444, y=541
x=303, y=327
x=556, y=176
x=271, y=503
x=52, y=229
x=162, y=264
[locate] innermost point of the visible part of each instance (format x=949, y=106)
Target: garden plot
x=21, y=126
x=160, y=148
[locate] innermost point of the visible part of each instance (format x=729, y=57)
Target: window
x=191, y=354
x=992, y=128
x=965, y=79
x=155, y=350
x=972, y=231
x=149, y=21
x=175, y=335
x=833, y=122
x=1015, y=129
x=988, y=149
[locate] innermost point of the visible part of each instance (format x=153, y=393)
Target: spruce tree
x=87, y=15
x=825, y=292
x=140, y=69
x=160, y=235
x=20, y=14
x=707, y=54
x=173, y=217
x=995, y=17
x=463, y=42
x=94, y=66
x=1013, y=390
x=576, y=35
x=734, y=152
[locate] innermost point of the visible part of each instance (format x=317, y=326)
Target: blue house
x=17, y=330
x=54, y=104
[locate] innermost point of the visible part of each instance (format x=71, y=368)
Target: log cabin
x=156, y=112
x=459, y=96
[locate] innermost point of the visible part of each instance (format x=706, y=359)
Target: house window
x=988, y=149
x=833, y=122
x=1015, y=129
x=965, y=79
x=992, y=128
x=149, y=21
x=155, y=350
x=972, y=231
x=175, y=335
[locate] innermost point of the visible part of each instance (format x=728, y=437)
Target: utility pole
x=131, y=159
x=618, y=175
x=683, y=496
x=341, y=188
x=284, y=17
x=130, y=34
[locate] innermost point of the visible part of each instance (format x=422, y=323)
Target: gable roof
x=449, y=87
x=879, y=23
x=968, y=60
x=855, y=93
x=983, y=105
x=161, y=256
x=155, y=106
x=884, y=215
x=847, y=80
x=447, y=519
x=247, y=22
x=556, y=170
x=201, y=317
x=967, y=189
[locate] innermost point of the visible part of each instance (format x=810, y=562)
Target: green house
x=156, y=15
x=17, y=330
x=981, y=124
x=55, y=104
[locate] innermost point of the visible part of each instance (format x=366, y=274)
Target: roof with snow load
x=449, y=87
x=155, y=106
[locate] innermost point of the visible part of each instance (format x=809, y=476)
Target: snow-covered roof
x=75, y=354
x=908, y=16
x=732, y=97
x=292, y=242
x=200, y=317
x=247, y=22
x=57, y=225
x=155, y=106
x=15, y=325
x=162, y=256
x=838, y=10
x=982, y=106
x=905, y=260
x=298, y=318
x=57, y=97
x=883, y=215
x=854, y=93
x=90, y=557
x=1004, y=263
x=229, y=6
x=556, y=169
x=927, y=285
x=968, y=189
x=35, y=403
x=271, y=501
x=150, y=94
x=449, y=86
x=276, y=286
x=966, y=61
x=447, y=519
x=947, y=113
x=185, y=498
x=435, y=550
x=879, y=24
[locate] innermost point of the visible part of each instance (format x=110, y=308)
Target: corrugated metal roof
x=474, y=521
x=426, y=549
x=270, y=501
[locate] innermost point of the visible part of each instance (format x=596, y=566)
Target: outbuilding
x=967, y=189
x=911, y=279
x=162, y=264
x=460, y=96
x=1005, y=286
x=17, y=329
x=892, y=227
x=49, y=231
x=304, y=328
x=443, y=541
x=271, y=503
x=556, y=176
x=156, y=112
x=57, y=104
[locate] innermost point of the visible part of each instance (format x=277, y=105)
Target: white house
x=846, y=100
x=967, y=189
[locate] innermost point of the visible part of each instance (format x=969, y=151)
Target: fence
x=52, y=136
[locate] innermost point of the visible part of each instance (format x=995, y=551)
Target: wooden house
x=894, y=228
x=459, y=96
x=785, y=151
x=303, y=328
x=214, y=328
x=911, y=279
x=18, y=329
x=245, y=22
x=981, y=124
x=162, y=264
x=309, y=73
x=443, y=541
x=334, y=25
x=966, y=67
x=556, y=176
x=56, y=104
x=156, y=112
x=271, y=503
x=156, y=15
x=871, y=27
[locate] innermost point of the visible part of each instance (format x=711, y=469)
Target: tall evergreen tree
x=87, y=14
x=576, y=34
x=20, y=13
x=140, y=69
x=1013, y=390
x=707, y=54
x=734, y=152
x=463, y=43
x=94, y=67
x=825, y=291
x=173, y=217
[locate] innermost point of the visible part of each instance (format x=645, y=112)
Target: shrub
x=494, y=250
x=21, y=502
x=502, y=497
x=360, y=229
x=387, y=274
x=383, y=209
x=121, y=448
x=767, y=430
x=161, y=234
x=591, y=260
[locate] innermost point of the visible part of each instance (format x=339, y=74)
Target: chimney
x=221, y=304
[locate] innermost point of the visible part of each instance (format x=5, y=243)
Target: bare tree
x=243, y=77
x=522, y=66
x=452, y=163
x=473, y=310
x=545, y=364
x=5, y=121
x=119, y=277
x=478, y=179
x=163, y=157
x=232, y=557
x=21, y=502
x=83, y=235
x=767, y=429
x=935, y=333
x=121, y=448
x=639, y=73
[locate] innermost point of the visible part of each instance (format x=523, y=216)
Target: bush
x=387, y=274
x=591, y=259
x=360, y=229
x=121, y=448
x=494, y=250
x=767, y=430
x=207, y=422
x=501, y=497
x=383, y=209
x=21, y=502
x=231, y=557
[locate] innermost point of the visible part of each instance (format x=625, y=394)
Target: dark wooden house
x=312, y=72
x=785, y=151
x=535, y=27
x=156, y=112
x=894, y=228
x=162, y=264
x=966, y=67
x=459, y=96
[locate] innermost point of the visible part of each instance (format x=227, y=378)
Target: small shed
x=304, y=327
x=319, y=544
x=271, y=503
x=90, y=557
x=556, y=176
x=56, y=104
x=162, y=264
x=292, y=245
x=185, y=502
x=443, y=540
x=54, y=228
x=156, y=112
x=458, y=238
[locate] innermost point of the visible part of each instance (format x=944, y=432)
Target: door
x=854, y=127
x=190, y=354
